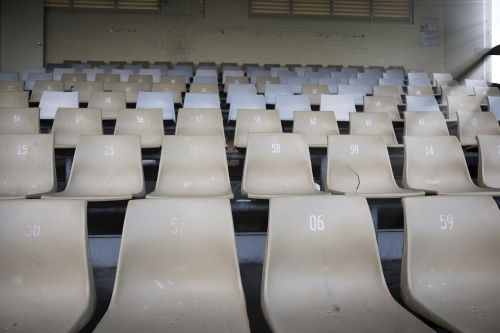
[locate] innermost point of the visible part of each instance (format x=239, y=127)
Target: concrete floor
x=251, y=275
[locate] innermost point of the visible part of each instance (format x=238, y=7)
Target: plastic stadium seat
x=314, y=92
x=226, y=73
x=69, y=124
x=134, y=68
x=336, y=68
x=425, y=123
x=326, y=71
x=46, y=277
x=419, y=91
x=58, y=72
x=80, y=67
x=206, y=72
x=436, y=165
x=419, y=82
x=131, y=90
x=246, y=66
x=148, y=123
x=108, y=80
x=392, y=91
x=124, y=74
x=344, y=76
x=240, y=89
x=462, y=103
x=257, y=74
x=441, y=277
x=186, y=68
x=471, y=84
x=417, y=74
x=95, y=63
x=157, y=100
x=105, y=168
x=493, y=105
x=332, y=83
x=70, y=79
x=284, y=76
x=396, y=70
x=263, y=81
x=19, y=120
x=316, y=126
x=421, y=103
x=302, y=70
x=277, y=164
x=108, y=68
x=146, y=81
x=85, y=88
x=16, y=99
x=235, y=80
x=382, y=104
x=297, y=82
x=205, y=79
x=201, y=101
x=452, y=91
x=11, y=86
x=398, y=83
x=163, y=69
x=199, y=122
x=27, y=70
x=255, y=121
x=333, y=269
x=40, y=86
x=445, y=83
x=204, y=88
x=180, y=289
x=488, y=170
x=248, y=102
x=27, y=166
x=52, y=100
x=482, y=94
x=9, y=76
x=177, y=73
x=252, y=69
x=179, y=80
x=108, y=102
x=368, y=76
x=341, y=105
x=272, y=90
x=163, y=63
x=376, y=71
x=173, y=88
x=352, y=71
x=363, y=123
x=472, y=124
x=356, y=91
x=287, y=105
x=275, y=70
x=441, y=77
x=32, y=77
x=314, y=76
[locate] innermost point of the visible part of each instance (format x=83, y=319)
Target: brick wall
x=226, y=34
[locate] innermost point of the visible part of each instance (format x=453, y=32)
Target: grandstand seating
x=148, y=123
x=70, y=123
x=19, y=120
x=425, y=123
x=472, y=124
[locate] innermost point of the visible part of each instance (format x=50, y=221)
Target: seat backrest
x=391, y=82
x=227, y=72
x=11, y=85
x=341, y=105
x=201, y=101
x=363, y=123
x=80, y=67
x=27, y=164
x=297, y=82
x=173, y=88
x=198, y=122
x=16, y=99
x=302, y=70
x=314, y=92
x=40, y=86
x=247, y=66
x=205, y=79
x=108, y=68
x=108, y=102
x=272, y=161
x=375, y=70
x=91, y=73
x=124, y=74
x=235, y=80
x=261, y=83
x=58, y=72
x=392, y=91
x=362, y=77
x=284, y=76
x=187, y=69
x=275, y=70
x=9, y=76
x=95, y=63
x=206, y=72
x=419, y=91
x=248, y=102
x=441, y=77
x=256, y=74
x=326, y=71
x=417, y=74
x=314, y=76
x=204, y=88
x=45, y=255
x=255, y=121
x=421, y=103
x=396, y=69
x=488, y=169
x=85, y=88
x=131, y=90
x=462, y=103
x=332, y=83
x=471, y=84
x=382, y=104
x=472, y=124
x=148, y=123
x=316, y=126
x=286, y=105
x=461, y=229
x=240, y=89
x=52, y=100
x=272, y=90
x=27, y=70
x=357, y=92
x=445, y=83
x=426, y=123
x=70, y=79
x=19, y=120
x=179, y=80
x=32, y=77
x=118, y=64
x=482, y=94
x=452, y=91
x=163, y=69
x=69, y=124
x=134, y=68
x=157, y=100
x=390, y=74
x=493, y=105
x=145, y=80
x=108, y=79
x=178, y=72
x=419, y=82
x=352, y=71
x=255, y=68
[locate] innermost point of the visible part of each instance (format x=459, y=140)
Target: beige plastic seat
x=179, y=80
x=363, y=123
x=70, y=123
x=108, y=80
x=46, y=282
x=425, y=123
x=181, y=289
x=70, y=79
x=462, y=103
x=482, y=94
x=235, y=80
x=450, y=262
x=488, y=171
x=316, y=126
x=277, y=164
x=193, y=166
x=255, y=121
x=11, y=85
x=108, y=102
x=436, y=165
x=175, y=89
x=385, y=104
x=445, y=83
x=322, y=270
x=19, y=120
x=472, y=124
x=452, y=91
x=419, y=91
x=341, y=105
x=360, y=165
x=105, y=168
x=14, y=99
x=204, y=88
x=131, y=90
x=40, y=86
x=262, y=81
x=314, y=92
x=388, y=91
x=27, y=165
x=84, y=88
x=199, y=122
x=148, y=123
x=146, y=81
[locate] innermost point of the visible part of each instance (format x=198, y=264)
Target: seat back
x=357, y=92
x=186, y=68
x=419, y=91
x=461, y=229
x=257, y=73
x=148, y=123
x=199, y=122
x=32, y=77
x=284, y=76
x=277, y=164
x=206, y=79
x=240, y=89
x=261, y=83
x=352, y=71
x=69, y=124
x=493, y=105
x=46, y=266
x=19, y=120
x=488, y=170
x=332, y=83
x=9, y=77
x=70, y=79
x=255, y=121
x=417, y=74
x=302, y=70
x=52, y=100
x=201, y=101
x=143, y=64
x=472, y=124
x=108, y=102
x=40, y=86
x=419, y=82
x=108, y=68
x=157, y=100
x=85, y=88
x=226, y=73
x=163, y=70
x=287, y=105
x=316, y=126
x=11, y=86
x=391, y=82
x=367, y=84
x=27, y=70
x=80, y=67
x=441, y=77
x=131, y=90
x=27, y=165
x=462, y=103
x=108, y=80
x=341, y=105
x=178, y=72
x=452, y=91
x=445, y=83
x=314, y=92
x=155, y=74
x=246, y=66
x=248, y=102
x=235, y=80
x=173, y=88
x=146, y=81
x=297, y=82
x=482, y=94
x=275, y=70
x=363, y=123
x=124, y=74
x=14, y=99
x=272, y=90
x=58, y=72
x=421, y=103
x=344, y=76
x=204, y=88
x=425, y=123
x=375, y=71
x=392, y=91
x=326, y=71
x=382, y=104
x=206, y=72
x=314, y=76
x=471, y=84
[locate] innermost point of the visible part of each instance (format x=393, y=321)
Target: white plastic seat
x=263, y=81
x=341, y=105
x=272, y=90
x=201, y=101
x=80, y=67
x=417, y=74
x=181, y=72
x=297, y=82
x=365, y=83
x=287, y=105
x=357, y=92
x=376, y=72
x=494, y=105
x=421, y=103
x=91, y=73
x=27, y=70
x=9, y=76
x=240, y=89
x=314, y=76
x=471, y=84
x=332, y=83
x=247, y=102
x=155, y=73
x=124, y=74
x=393, y=74
x=134, y=68
x=252, y=69
x=352, y=71
x=326, y=72
x=108, y=68
x=255, y=121
x=157, y=100
x=302, y=70
x=370, y=76
x=284, y=76
x=255, y=74
x=58, y=72
x=32, y=77
x=419, y=82
x=392, y=82
x=275, y=70
x=52, y=100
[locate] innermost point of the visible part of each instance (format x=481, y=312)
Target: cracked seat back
x=316, y=126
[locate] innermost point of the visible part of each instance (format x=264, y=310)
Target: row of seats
x=108, y=168
x=330, y=280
